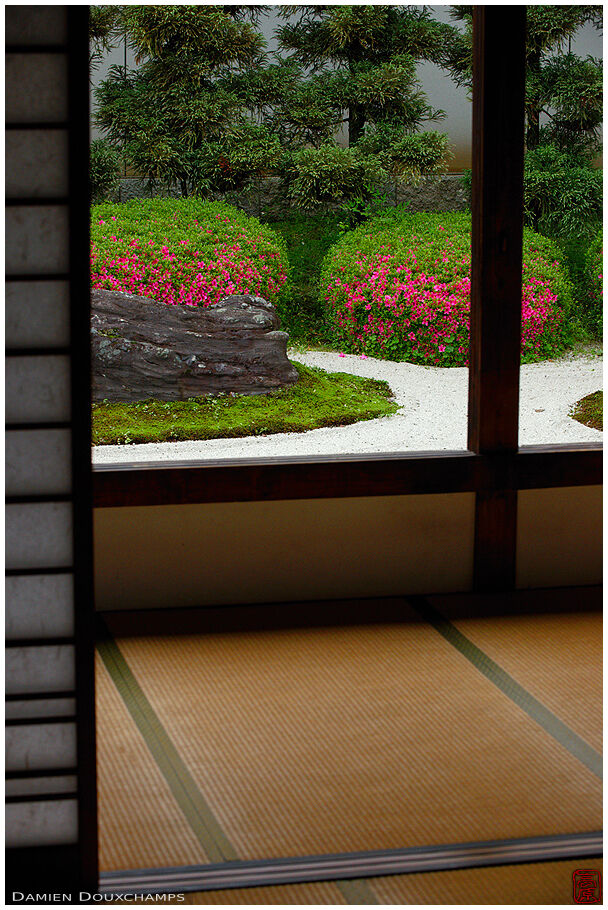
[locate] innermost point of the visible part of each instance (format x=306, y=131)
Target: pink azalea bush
x=399, y=288
x=185, y=251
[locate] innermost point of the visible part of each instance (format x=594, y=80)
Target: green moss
x=589, y=410
x=318, y=399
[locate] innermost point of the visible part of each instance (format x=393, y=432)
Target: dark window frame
x=493, y=466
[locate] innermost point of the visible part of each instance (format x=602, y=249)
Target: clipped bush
x=331, y=175
x=104, y=170
x=594, y=260
x=407, y=155
x=398, y=287
x=185, y=251
x=562, y=192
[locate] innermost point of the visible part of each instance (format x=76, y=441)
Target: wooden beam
x=494, y=566
x=87, y=868
x=266, y=479
x=497, y=226
x=499, y=36
x=186, y=483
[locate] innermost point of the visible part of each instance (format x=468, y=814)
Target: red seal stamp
x=587, y=886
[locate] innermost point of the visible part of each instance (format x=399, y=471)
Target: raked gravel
x=433, y=414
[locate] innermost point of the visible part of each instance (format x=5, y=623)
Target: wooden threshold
x=340, y=866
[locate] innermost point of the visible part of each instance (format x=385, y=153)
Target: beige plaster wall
x=159, y=556
x=559, y=538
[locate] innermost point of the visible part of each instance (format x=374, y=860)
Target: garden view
x=308, y=176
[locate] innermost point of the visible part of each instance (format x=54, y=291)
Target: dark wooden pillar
x=84, y=613
x=51, y=831
x=497, y=224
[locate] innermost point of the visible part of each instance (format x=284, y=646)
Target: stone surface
x=265, y=196
x=145, y=349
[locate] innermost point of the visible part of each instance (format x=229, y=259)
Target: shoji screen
x=50, y=816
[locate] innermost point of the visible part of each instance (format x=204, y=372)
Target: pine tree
x=356, y=65
x=366, y=57
x=562, y=88
x=177, y=117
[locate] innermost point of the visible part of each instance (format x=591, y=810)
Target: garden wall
x=228, y=553
x=433, y=194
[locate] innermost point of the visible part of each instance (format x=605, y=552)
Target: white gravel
x=433, y=414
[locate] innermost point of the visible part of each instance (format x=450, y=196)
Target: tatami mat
x=557, y=658
x=311, y=741
x=314, y=893
x=140, y=823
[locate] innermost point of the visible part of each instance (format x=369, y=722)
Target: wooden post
x=499, y=34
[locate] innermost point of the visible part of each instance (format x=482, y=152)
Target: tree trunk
x=533, y=110
x=356, y=122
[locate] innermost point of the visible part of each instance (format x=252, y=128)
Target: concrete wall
x=163, y=556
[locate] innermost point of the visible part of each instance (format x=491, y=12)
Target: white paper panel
x=29, y=786
x=37, y=462
x=38, y=746
x=36, y=240
x=36, y=88
x=36, y=163
x=39, y=606
x=35, y=24
x=37, y=389
x=36, y=707
x=37, y=314
x=38, y=535
x=41, y=669
x=42, y=823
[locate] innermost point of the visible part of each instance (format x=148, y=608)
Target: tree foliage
x=563, y=89
x=176, y=117
x=208, y=109
x=365, y=56
x=104, y=28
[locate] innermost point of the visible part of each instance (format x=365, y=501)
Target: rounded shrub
x=594, y=259
x=185, y=251
x=398, y=287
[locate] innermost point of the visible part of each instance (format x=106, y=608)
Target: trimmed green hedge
x=594, y=261
x=185, y=251
x=398, y=287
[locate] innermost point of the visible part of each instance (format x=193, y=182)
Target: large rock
x=145, y=349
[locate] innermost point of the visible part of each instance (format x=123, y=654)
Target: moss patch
x=318, y=399
x=589, y=410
